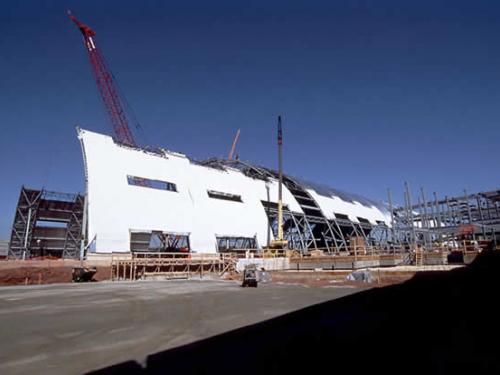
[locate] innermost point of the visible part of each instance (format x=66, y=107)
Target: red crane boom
x=106, y=85
x=233, y=147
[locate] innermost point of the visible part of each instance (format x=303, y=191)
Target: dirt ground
x=339, y=278
x=49, y=271
x=43, y=272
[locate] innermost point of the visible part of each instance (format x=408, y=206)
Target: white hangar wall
x=354, y=210
x=115, y=208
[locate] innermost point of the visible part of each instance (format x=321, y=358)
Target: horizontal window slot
x=224, y=196
x=152, y=184
x=363, y=220
x=235, y=243
x=341, y=216
x=157, y=241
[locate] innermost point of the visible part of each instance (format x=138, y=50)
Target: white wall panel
x=115, y=207
x=330, y=205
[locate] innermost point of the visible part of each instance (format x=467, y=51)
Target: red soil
x=43, y=272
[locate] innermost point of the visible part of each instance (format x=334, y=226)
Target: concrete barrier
x=435, y=258
x=335, y=262
x=269, y=264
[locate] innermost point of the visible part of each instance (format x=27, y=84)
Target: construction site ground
x=74, y=328
x=47, y=271
x=381, y=276
x=50, y=271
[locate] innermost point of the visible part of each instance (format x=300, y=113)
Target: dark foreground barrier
x=435, y=323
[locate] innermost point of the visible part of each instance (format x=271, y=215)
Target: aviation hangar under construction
x=142, y=200
x=138, y=199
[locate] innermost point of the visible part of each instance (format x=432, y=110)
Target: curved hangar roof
x=131, y=189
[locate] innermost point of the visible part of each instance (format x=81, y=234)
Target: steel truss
x=305, y=233
x=47, y=223
x=310, y=230
x=430, y=222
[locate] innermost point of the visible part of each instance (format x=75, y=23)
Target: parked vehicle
x=250, y=276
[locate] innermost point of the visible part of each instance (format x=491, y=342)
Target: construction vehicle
x=83, y=274
x=250, y=276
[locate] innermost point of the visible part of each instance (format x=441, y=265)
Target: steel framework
x=434, y=222
x=47, y=223
x=311, y=230
x=427, y=224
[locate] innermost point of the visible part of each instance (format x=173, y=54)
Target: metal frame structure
x=230, y=244
x=4, y=249
x=435, y=222
x=310, y=230
x=158, y=241
x=47, y=223
x=422, y=225
x=305, y=233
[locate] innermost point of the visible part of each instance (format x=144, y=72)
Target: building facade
x=138, y=200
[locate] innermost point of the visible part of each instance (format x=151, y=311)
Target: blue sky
x=373, y=93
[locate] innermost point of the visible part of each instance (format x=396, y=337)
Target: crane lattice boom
x=233, y=147
x=106, y=85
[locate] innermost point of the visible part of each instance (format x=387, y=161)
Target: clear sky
x=373, y=93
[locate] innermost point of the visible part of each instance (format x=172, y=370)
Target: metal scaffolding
x=50, y=223
x=428, y=224
x=47, y=224
x=311, y=229
x=468, y=220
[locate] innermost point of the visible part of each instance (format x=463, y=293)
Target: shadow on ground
x=437, y=322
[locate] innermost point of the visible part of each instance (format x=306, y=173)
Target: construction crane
x=106, y=86
x=233, y=148
x=280, y=242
